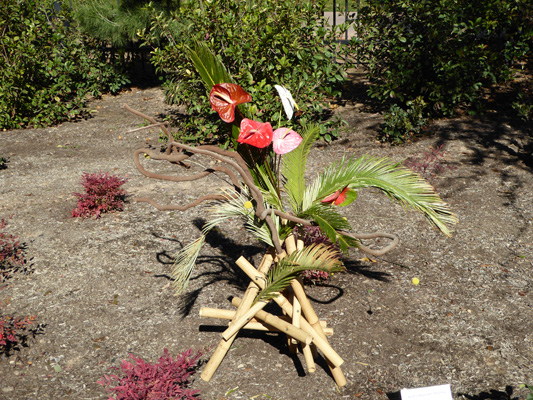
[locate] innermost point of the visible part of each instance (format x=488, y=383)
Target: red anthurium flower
x=336, y=198
x=224, y=97
x=257, y=134
x=285, y=140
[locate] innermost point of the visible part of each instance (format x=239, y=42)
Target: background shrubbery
x=47, y=69
x=261, y=43
x=441, y=52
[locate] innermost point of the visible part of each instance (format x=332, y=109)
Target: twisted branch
x=177, y=153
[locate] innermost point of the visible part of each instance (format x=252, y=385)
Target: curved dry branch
x=375, y=235
x=177, y=152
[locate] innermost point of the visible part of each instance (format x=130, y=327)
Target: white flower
x=286, y=99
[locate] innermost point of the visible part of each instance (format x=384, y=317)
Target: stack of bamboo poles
x=300, y=322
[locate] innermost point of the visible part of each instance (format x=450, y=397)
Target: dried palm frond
x=184, y=264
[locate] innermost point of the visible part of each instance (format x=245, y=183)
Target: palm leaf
x=397, y=182
x=234, y=207
x=269, y=188
x=184, y=264
x=209, y=66
x=294, y=166
x=319, y=257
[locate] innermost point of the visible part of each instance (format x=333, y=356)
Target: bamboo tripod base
x=300, y=323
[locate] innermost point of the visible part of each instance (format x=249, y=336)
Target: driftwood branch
x=177, y=153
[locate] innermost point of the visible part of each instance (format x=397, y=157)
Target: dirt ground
x=100, y=288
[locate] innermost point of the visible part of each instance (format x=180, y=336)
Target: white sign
x=441, y=392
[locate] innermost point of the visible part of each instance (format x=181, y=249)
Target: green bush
x=403, y=124
x=47, y=70
x=445, y=51
x=262, y=43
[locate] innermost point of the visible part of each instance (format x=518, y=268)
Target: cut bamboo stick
x=224, y=345
x=309, y=359
x=313, y=320
x=278, y=323
x=290, y=244
x=321, y=343
x=208, y=312
x=238, y=323
x=296, y=312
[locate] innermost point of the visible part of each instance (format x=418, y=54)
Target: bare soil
x=100, y=288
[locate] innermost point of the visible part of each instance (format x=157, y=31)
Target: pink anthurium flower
x=224, y=97
x=336, y=198
x=254, y=133
x=285, y=140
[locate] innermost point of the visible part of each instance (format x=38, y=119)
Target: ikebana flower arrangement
x=270, y=194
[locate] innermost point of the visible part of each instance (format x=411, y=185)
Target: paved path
x=339, y=19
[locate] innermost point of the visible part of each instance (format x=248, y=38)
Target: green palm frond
x=295, y=164
x=184, y=264
x=397, y=182
x=330, y=223
x=269, y=188
x=209, y=66
x=319, y=257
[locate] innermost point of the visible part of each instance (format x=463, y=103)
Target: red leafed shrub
x=165, y=380
x=313, y=235
x=102, y=194
x=431, y=164
x=13, y=331
x=11, y=255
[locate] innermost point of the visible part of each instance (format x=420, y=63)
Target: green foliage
x=445, y=51
x=261, y=43
x=47, y=70
x=111, y=21
x=530, y=394
x=524, y=105
x=403, y=124
x=316, y=257
x=398, y=183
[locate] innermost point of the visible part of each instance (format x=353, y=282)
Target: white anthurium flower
x=286, y=99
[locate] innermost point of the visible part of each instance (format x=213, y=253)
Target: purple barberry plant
x=102, y=194
x=168, y=379
x=431, y=164
x=13, y=331
x=11, y=252
x=314, y=235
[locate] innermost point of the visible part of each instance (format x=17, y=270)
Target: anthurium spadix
x=286, y=99
x=224, y=97
x=285, y=140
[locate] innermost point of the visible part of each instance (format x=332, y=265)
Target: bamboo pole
x=309, y=359
x=238, y=323
x=321, y=343
x=218, y=313
x=313, y=320
x=290, y=245
x=224, y=345
x=281, y=325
